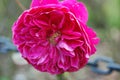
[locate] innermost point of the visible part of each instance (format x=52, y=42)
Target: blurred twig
x=20, y=5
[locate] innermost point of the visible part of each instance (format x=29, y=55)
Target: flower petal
x=56, y=18
x=74, y=43
x=35, y=3
x=63, y=62
x=92, y=34
x=71, y=35
x=70, y=0
x=67, y=53
x=78, y=9
x=65, y=46
x=75, y=61
x=42, y=59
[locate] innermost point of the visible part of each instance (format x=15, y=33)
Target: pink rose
x=53, y=36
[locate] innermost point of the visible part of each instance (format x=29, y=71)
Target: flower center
x=54, y=38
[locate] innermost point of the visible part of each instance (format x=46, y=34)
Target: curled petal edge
x=35, y=3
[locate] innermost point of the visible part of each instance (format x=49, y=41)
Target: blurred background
x=104, y=17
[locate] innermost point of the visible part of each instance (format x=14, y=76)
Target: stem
x=60, y=77
x=20, y=5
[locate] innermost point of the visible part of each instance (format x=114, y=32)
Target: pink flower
x=53, y=36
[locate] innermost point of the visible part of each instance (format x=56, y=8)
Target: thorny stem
x=60, y=77
x=20, y=5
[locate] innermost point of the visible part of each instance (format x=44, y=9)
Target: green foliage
x=103, y=13
x=4, y=78
x=112, y=11
x=9, y=11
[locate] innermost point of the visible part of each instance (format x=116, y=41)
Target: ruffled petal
x=67, y=53
x=75, y=61
x=74, y=43
x=63, y=62
x=92, y=34
x=78, y=9
x=63, y=45
x=56, y=19
x=35, y=3
x=71, y=35
x=70, y=0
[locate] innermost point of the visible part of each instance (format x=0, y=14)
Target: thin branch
x=20, y=5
